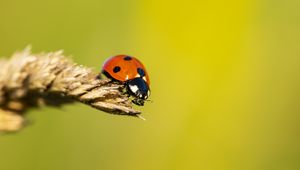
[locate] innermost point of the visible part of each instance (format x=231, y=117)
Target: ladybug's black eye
x=141, y=72
x=116, y=69
x=127, y=58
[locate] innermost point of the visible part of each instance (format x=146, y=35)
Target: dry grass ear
x=32, y=80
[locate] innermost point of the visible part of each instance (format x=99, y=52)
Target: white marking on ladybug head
x=144, y=78
x=137, y=75
x=133, y=88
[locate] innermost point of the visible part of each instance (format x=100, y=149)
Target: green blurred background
x=224, y=79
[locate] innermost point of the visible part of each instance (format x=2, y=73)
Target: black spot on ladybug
x=141, y=72
x=127, y=58
x=116, y=69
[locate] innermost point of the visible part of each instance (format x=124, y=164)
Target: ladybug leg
x=124, y=91
x=98, y=76
x=139, y=102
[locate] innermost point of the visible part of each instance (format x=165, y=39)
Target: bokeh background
x=224, y=78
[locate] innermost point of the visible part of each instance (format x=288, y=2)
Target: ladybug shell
x=123, y=68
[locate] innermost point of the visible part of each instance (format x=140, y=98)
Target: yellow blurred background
x=224, y=79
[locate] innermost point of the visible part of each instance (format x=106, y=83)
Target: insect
x=130, y=72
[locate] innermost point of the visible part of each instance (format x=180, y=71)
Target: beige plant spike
x=30, y=80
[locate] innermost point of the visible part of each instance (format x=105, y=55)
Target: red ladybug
x=132, y=73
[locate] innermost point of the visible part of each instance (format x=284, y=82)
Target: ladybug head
x=139, y=89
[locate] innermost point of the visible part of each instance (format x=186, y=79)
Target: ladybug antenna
x=149, y=100
x=141, y=117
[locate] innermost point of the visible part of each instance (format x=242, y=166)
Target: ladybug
x=130, y=72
